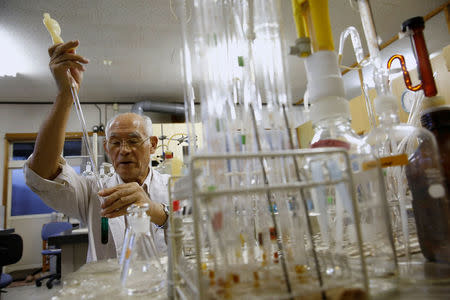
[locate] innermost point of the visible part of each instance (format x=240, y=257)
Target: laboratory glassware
x=380, y=74
x=330, y=115
x=254, y=268
x=142, y=272
x=359, y=54
x=401, y=150
x=432, y=216
x=131, y=211
x=414, y=29
x=166, y=165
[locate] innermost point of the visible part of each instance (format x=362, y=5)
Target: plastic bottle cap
x=176, y=205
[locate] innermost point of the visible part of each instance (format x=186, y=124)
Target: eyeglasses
x=132, y=143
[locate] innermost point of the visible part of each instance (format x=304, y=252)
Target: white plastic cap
x=385, y=103
x=329, y=107
x=324, y=76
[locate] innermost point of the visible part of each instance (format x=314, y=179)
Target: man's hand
x=120, y=197
x=64, y=59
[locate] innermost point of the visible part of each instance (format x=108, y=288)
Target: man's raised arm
x=66, y=67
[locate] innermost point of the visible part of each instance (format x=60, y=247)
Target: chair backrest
x=11, y=248
x=53, y=228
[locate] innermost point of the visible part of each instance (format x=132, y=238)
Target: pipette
x=55, y=31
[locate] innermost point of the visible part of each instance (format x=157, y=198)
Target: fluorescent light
x=12, y=56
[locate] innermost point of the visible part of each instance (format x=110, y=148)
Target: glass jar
x=338, y=229
x=433, y=217
x=413, y=179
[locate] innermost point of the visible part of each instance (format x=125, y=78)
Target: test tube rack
x=194, y=269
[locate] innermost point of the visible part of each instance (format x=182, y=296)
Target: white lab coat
x=76, y=196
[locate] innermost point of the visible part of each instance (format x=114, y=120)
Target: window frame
x=9, y=164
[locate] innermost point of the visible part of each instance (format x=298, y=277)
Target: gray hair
x=147, y=123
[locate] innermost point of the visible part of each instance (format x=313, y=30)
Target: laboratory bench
x=107, y=284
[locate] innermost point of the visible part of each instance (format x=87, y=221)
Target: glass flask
x=338, y=229
x=131, y=211
x=142, y=272
x=88, y=171
x=166, y=166
x=410, y=159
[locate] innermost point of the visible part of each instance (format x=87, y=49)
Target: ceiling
x=141, y=39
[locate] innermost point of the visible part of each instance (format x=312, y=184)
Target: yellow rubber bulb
x=53, y=28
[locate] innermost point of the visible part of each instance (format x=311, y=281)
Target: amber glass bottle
x=432, y=213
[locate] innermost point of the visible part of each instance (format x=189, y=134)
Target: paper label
x=388, y=161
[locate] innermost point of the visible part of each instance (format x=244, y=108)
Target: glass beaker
x=142, y=272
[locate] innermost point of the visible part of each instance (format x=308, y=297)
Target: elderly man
x=129, y=144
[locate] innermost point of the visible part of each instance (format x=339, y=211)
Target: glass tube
x=358, y=50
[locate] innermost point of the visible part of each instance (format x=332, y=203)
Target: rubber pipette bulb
x=53, y=28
